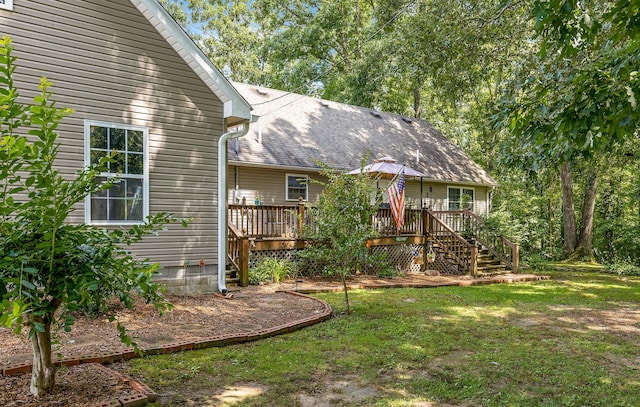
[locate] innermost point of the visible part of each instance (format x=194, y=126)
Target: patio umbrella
x=387, y=166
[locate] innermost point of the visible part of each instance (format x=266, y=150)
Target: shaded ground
x=251, y=309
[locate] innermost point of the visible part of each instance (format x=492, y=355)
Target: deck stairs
x=489, y=264
x=231, y=276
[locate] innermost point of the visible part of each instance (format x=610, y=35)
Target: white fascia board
x=194, y=57
x=228, y=108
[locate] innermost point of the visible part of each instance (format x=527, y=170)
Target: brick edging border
x=142, y=394
x=210, y=342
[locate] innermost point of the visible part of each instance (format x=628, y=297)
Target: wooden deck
x=460, y=239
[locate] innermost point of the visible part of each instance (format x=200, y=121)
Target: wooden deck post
x=473, y=261
x=428, y=222
x=516, y=258
x=243, y=262
x=425, y=234
x=300, y=218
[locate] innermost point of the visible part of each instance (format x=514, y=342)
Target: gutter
x=223, y=231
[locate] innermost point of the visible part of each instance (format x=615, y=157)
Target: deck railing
x=455, y=248
x=238, y=254
x=270, y=221
x=498, y=245
x=288, y=221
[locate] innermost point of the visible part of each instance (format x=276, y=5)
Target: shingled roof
x=296, y=130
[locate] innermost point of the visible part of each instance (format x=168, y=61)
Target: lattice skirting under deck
x=402, y=258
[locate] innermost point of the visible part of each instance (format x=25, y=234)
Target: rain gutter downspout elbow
x=222, y=201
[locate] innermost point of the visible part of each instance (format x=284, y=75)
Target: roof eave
x=236, y=108
x=318, y=170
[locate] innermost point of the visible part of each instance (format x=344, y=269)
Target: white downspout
x=222, y=202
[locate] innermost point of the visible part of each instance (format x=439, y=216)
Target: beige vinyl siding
x=110, y=65
x=269, y=183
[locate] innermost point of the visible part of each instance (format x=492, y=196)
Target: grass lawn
x=570, y=341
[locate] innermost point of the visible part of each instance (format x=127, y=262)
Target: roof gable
x=236, y=108
x=296, y=130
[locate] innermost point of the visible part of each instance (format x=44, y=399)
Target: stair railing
x=455, y=247
x=498, y=245
x=238, y=254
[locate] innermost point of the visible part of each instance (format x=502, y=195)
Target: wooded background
x=540, y=93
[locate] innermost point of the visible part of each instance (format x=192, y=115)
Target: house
x=294, y=131
x=139, y=86
x=270, y=168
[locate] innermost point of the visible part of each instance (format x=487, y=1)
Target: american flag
x=396, y=201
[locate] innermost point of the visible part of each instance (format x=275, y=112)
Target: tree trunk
x=584, y=249
x=347, y=305
x=416, y=103
x=568, y=211
x=43, y=373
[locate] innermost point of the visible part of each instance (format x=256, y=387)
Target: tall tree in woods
x=580, y=99
x=49, y=268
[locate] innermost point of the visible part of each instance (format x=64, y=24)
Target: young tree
x=48, y=267
x=342, y=224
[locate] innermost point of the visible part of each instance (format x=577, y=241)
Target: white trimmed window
x=6, y=4
x=459, y=198
x=127, y=201
x=297, y=186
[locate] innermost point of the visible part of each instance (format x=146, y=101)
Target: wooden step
x=231, y=277
x=491, y=267
x=489, y=261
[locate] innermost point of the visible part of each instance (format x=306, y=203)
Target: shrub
x=623, y=268
x=342, y=224
x=270, y=270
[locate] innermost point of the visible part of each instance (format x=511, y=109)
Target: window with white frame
x=297, y=186
x=460, y=198
x=6, y=4
x=127, y=200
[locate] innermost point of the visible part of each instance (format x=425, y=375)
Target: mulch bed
x=193, y=318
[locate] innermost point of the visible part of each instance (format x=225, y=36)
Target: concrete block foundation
x=195, y=280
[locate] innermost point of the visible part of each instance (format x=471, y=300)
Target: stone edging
x=212, y=341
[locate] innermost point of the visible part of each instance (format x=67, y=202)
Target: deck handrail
x=498, y=245
x=270, y=221
x=238, y=253
x=455, y=247
x=289, y=221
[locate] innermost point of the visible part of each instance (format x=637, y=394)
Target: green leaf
x=28, y=285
